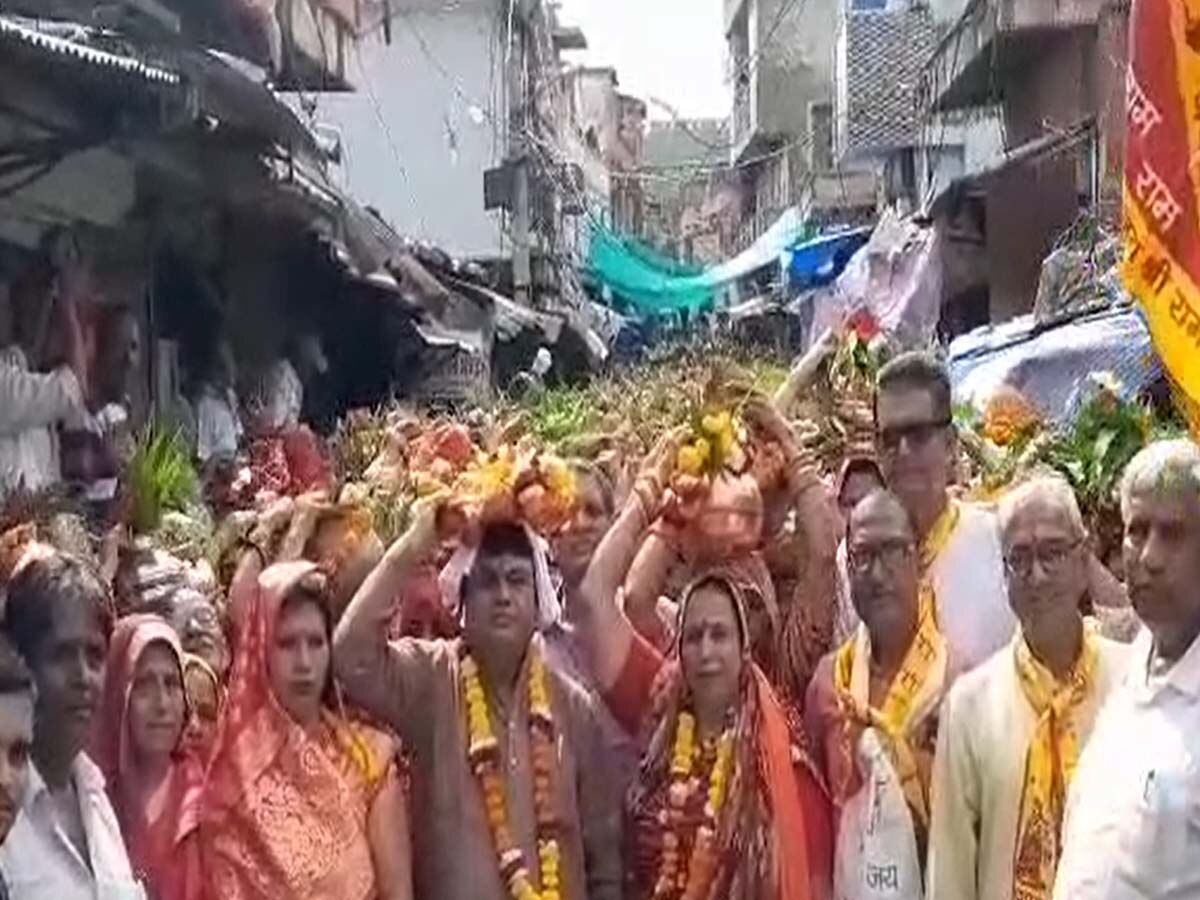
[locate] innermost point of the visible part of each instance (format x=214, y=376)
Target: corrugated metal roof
x=25, y=32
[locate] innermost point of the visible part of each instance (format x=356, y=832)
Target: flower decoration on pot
x=514, y=484
x=714, y=446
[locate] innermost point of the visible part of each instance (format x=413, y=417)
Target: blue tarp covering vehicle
x=1049, y=364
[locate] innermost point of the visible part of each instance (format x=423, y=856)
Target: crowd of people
x=855, y=688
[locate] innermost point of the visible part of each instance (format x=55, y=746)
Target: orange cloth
x=775, y=840
x=1162, y=189
x=285, y=811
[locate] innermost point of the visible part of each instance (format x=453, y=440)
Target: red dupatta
x=775, y=837
x=285, y=809
x=161, y=852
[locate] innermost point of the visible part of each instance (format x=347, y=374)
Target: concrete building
x=693, y=198
x=460, y=136
x=781, y=58
x=1055, y=71
x=611, y=128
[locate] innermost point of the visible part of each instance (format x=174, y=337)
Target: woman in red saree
x=153, y=782
x=300, y=802
x=726, y=806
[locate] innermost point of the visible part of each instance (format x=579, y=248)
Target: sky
x=668, y=50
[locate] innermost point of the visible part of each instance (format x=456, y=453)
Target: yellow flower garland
x=483, y=753
x=702, y=864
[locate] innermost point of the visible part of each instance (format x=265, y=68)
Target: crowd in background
x=862, y=687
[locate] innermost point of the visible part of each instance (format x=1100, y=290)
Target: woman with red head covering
x=152, y=782
x=300, y=802
x=725, y=804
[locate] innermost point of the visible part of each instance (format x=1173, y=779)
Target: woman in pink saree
x=300, y=801
x=153, y=782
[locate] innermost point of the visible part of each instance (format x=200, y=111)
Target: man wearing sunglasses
x=959, y=542
x=1011, y=731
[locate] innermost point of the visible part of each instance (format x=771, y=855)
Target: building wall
x=426, y=121
x=796, y=66
x=1027, y=209
x=1055, y=91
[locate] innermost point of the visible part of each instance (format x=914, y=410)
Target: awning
x=821, y=260
x=511, y=318
x=67, y=42
x=788, y=229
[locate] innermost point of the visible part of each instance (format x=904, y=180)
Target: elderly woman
x=720, y=809
x=153, y=784
x=300, y=802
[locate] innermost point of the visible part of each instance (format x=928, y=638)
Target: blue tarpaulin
x=1049, y=365
x=820, y=261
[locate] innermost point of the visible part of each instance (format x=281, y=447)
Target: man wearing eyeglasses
x=1011, y=730
x=959, y=542
x=1132, y=829
x=871, y=709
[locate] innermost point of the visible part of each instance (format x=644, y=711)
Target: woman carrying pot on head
x=721, y=807
x=300, y=802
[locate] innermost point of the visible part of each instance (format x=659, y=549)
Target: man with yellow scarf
x=1011, y=731
x=872, y=709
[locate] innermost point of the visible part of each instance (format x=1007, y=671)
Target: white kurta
x=1132, y=830
x=984, y=733
x=876, y=854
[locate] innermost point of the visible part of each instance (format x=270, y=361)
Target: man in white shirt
x=1022, y=715
x=33, y=404
x=16, y=739
x=960, y=542
x=1132, y=828
x=65, y=844
x=218, y=423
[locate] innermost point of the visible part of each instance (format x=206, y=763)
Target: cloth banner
x=1161, y=264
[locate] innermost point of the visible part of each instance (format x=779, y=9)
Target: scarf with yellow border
x=1049, y=763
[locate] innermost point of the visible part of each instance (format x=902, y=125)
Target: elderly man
x=508, y=761
x=960, y=542
x=1012, y=729
x=1132, y=827
x=872, y=709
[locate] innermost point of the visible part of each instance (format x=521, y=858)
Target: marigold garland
x=693, y=881
x=483, y=751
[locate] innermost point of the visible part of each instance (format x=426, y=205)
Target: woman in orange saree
x=300, y=802
x=153, y=781
x=726, y=805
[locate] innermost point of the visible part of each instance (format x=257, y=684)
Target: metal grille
x=884, y=55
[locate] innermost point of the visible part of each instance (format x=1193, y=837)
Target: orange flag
x=1162, y=186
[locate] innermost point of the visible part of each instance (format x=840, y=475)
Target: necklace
x=692, y=881
x=483, y=755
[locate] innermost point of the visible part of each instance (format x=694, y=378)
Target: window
x=820, y=128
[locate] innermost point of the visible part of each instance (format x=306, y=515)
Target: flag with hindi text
x=1162, y=186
